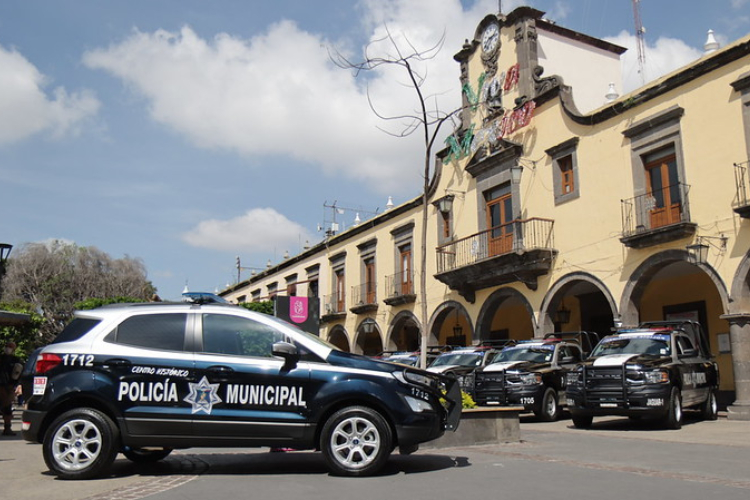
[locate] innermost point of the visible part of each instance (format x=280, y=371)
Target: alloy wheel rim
x=76, y=444
x=355, y=442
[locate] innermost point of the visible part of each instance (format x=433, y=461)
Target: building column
x=739, y=335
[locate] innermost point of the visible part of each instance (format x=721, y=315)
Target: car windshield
x=536, y=353
x=656, y=345
x=459, y=358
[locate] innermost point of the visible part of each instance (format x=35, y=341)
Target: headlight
x=640, y=377
x=530, y=378
x=573, y=378
x=409, y=377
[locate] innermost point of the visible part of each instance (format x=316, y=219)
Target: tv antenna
x=640, y=45
x=331, y=224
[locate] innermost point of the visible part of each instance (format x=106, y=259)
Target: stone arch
x=443, y=313
x=568, y=284
x=338, y=337
x=740, y=298
x=493, y=302
x=400, y=335
x=643, y=274
x=369, y=339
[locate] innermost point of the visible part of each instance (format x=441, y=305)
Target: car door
x=243, y=391
x=145, y=370
x=695, y=371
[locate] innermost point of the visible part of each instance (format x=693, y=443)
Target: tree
x=424, y=120
x=54, y=277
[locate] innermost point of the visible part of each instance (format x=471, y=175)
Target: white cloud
x=257, y=231
x=662, y=57
x=25, y=110
x=278, y=93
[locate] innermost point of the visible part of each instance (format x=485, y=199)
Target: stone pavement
x=25, y=477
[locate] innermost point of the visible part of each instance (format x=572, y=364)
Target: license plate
x=608, y=405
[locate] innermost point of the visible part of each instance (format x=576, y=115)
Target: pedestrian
x=10, y=372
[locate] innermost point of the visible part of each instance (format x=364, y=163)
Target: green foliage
x=265, y=307
x=93, y=303
x=25, y=336
x=467, y=402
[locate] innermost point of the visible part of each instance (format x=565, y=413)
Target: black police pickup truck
x=532, y=374
x=653, y=371
x=143, y=379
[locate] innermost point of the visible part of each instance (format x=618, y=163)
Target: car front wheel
x=673, y=419
x=710, y=409
x=550, y=409
x=356, y=441
x=80, y=444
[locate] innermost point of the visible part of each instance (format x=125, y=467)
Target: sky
x=187, y=133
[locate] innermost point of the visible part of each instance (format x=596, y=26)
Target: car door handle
x=220, y=369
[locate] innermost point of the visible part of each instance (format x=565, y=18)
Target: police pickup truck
x=653, y=371
x=143, y=379
x=532, y=374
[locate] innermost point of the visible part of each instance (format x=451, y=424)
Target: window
x=233, y=335
x=340, y=292
x=565, y=164
x=499, y=212
x=370, y=280
x=565, y=170
x=405, y=273
x=154, y=331
x=663, y=187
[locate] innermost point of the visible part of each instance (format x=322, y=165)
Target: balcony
x=364, y=298
x=334, y=307
x=741, y=203
x=657, y=217
x=519, y=251
x=399, y=288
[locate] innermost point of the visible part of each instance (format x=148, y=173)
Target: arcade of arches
x=665, y=286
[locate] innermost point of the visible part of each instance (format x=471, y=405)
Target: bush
x=467, y=402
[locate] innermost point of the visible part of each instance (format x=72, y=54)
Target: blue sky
x=186, y=133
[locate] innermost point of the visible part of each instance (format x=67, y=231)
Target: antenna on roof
x=639, y=32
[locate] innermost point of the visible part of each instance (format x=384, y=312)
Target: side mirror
x=286, y=351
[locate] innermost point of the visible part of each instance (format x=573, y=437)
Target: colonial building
x=557, y=207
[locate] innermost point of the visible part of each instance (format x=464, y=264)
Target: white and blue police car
x=144, y=379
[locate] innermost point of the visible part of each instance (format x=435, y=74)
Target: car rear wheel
x=673, y=419
x=356, y=441
x=710, y=409
x=142, y=456
x=550, y=409
x=80, y=444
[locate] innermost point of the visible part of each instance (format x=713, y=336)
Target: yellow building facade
x=556, y=208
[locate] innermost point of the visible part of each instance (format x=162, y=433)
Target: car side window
x=685, y=345
x=152, y=331
x=237, y=336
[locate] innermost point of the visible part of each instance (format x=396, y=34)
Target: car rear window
x=153, y=331
x=75, y=330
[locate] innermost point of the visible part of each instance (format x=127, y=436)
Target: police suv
x=653, y=371
x=144, y=379
x=531, y=374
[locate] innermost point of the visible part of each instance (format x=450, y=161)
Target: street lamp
x=5, y=249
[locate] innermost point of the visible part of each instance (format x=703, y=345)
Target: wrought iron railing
x=514, y=237
x=364, y=294
x=399, y=284
x=333, y=304
x=659, y=208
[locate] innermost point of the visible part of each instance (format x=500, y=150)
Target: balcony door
x=499, y=210
x=664, y=188
x=406, y=280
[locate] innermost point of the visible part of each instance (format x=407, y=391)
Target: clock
x=490, y=39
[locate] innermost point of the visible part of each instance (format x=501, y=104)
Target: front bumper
x=649, y=400
x=530, y=397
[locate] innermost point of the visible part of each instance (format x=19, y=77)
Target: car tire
x=710, y=409
x=582, y=421
x=80, y=444
x=673, y=418
x=141, y=456
x=356, y=441
x=549, y=410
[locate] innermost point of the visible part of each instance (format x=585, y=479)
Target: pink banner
x=298, y=309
